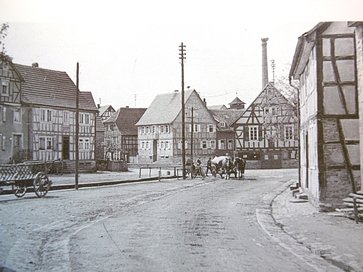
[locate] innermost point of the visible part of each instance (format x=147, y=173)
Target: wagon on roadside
x=22, y=176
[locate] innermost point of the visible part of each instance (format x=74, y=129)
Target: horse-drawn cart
x=24, y=175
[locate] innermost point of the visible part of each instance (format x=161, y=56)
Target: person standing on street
x=209, y=166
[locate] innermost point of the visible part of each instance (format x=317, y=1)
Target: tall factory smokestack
x=264, y=62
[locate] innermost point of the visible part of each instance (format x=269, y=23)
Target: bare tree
x=3, y=34
x=282, y=83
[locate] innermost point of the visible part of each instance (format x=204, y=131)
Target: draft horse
x=240, y=166
x=222, y=165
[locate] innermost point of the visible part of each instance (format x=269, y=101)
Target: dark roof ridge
x=40, y=68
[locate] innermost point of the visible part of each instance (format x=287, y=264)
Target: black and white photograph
x=164, y=135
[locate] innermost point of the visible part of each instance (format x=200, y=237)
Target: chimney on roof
x=35, y=64
x=176, y=91
x=264, y=62
x=98, y=106
x=205, y=101
x=127, y=107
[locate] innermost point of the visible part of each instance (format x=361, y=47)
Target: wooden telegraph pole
x=77, y=129
x=191, y=136
x=182, y=58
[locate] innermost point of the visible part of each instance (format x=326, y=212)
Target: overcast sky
x=128, y=50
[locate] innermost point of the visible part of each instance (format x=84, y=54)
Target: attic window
x=223, y=124
x=4, y=87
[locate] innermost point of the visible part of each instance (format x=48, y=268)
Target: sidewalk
x=100, y=178
x=106, y=177
x=333, y=237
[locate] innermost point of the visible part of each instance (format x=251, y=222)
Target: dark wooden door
x=65, y=148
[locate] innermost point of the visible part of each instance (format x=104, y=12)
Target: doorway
x=65, y=148
x=155, y=150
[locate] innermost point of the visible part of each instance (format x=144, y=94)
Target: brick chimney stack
x=264, y=62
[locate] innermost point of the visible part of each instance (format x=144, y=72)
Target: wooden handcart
x=24, y=175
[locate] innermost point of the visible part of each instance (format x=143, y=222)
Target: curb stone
x=277, y=233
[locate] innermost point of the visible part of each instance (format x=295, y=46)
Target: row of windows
x=46, y=116
x=197, y=128
x=166, y=129
x=154, y=129
x=253, y=133
x=205, y=144
x=4, y=114
x=286, y=155
x=162, y=145
x=48, y=143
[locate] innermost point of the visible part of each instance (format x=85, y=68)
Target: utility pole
x=191, y=135
x=182, y=58
x=77, y=129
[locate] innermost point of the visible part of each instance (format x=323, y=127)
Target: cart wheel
x=41, y=184
x=19, y=190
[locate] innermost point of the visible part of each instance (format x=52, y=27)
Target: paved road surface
x=172, y=225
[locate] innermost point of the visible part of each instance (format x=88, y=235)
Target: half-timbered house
x=325, y=65
x=48, y=100
x=266, y=133
x=12, y=117
x=225, y=131
x=359, y=55
x=105, y=112
x=160, y=129
x=100, y=139
x=121, y=134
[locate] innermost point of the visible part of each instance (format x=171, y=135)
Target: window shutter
x=245, y=133
x=260, y=133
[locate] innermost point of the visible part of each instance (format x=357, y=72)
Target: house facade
x=325, y=65
x=105, y=112
x=225, y=131
x=121, y=135
x=47, y=110
x=266, y=133
x=100, y=139
x=359, y=56
x=12, y=117
x=160, y=129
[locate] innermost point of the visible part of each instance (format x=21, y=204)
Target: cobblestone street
x=178, y=225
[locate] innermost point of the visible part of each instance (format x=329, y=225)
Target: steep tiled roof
x=164, y=108
x=127, y=118
x=51, y=88
x=103, y=109
x=237, y=101
x=228, y=116
x=217, y=107
x=112, y=118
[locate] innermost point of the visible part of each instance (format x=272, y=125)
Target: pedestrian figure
x=209, y=166
x=198, y=169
